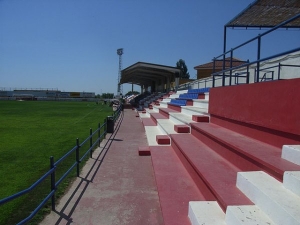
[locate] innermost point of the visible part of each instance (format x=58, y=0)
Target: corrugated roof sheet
x=267, y=13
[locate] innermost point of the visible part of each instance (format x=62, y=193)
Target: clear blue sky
x=71, y=44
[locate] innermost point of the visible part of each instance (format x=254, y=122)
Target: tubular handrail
x=25, y=191
x=261, y=35
x=32, y=214
x=258, y=38
x=65, y=156
x=256, y=61
x=53, y=166
x=222, y=74
x=66, y=174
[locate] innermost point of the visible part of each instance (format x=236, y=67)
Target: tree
x=183, y=68
x=108, y=95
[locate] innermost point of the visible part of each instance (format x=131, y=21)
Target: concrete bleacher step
x=175, y=186
x=156, y=116
x=201, y=103
x=270, y=195
x=148, y=122
x=193, y=110
x=151, y=133
x=166, y=100
x=163, y=139
x=209, y=212
x=144, y=114
x=206, y=212
x=182, y=128
x=291, y=181
x=291, y=153
x=177, y=117
x=198, y=159
x=174, y=96
x=200, y=118
x=163, y=104
x=246, y=153
x=182, y=92
x=246, y=214
x=144, y=151
x=167, y=126
x=181, y=118
x=167, y=111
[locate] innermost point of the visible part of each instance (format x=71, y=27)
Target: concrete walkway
x=116, y=186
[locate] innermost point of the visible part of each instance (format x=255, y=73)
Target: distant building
x=33, y=94
x=205, y=70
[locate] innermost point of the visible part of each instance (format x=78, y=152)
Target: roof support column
x=224, y=50
x=168, y=86
x=158, y=85
x=162, y=85
x=153, y=86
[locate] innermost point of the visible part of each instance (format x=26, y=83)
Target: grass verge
x=31, y=132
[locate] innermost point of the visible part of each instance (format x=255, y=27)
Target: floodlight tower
x=120, y=53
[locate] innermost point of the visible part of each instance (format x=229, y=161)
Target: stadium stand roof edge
x=267, y=13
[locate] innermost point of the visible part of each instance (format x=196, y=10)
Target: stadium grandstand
x=224, y=149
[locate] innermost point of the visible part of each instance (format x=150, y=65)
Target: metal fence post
x=91, y=142
x=105, y=126
x=99, y=134
x=52, y=183
x=230, y=74
x=77, y=156
x=223, y=68
x=279, y=68
x=248, y=74
x=258, y=57
x=214, y=70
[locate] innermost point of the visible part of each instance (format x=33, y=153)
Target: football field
x=31, y=132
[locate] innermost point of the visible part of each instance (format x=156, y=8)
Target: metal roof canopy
x=271, y=14
x=142, y=73
x=267, y=13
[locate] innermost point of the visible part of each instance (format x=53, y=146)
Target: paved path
x=116, y=186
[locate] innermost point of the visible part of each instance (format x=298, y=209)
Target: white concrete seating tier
x=166, y=126
x=291, y=153
x=275, y=202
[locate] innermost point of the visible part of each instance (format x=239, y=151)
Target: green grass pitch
x=31, y=132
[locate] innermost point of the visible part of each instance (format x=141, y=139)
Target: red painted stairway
x=248, y=126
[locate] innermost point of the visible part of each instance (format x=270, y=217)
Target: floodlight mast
x=120, y=53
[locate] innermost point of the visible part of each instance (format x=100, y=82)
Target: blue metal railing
x=201, y=83
x=257, y=61
x=224, y=75
x=53, y=166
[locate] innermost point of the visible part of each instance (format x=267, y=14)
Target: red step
x=148, y=122
x=174, y=107
x=189, y=102
x=208, y=168
x=144, y=151
x=200, y=118
x=201, y=96
x=166, y=111
x=246, y=153
x=163, y=139
x=181, y=128
x=174, y=185
x=155, y=116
